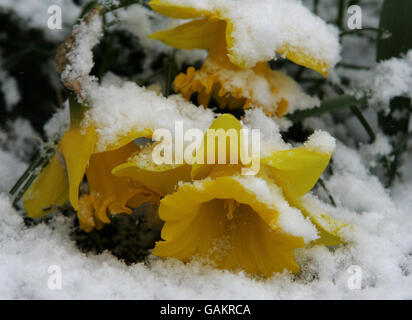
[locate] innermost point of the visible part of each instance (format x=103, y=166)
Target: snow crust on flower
x=321, y=141
x=255, y=86
x=290, y=219
x=393, y=78
x=270, y=137
x=262, y=27
x=120, y=106
x=80, y=57
x=58, y=124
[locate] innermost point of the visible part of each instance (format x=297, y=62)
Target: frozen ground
x=380, y=244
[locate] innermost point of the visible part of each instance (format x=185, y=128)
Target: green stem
x=327, y=105
x=26, y=174
x=349, y=32
x=315, y=6
x=322, y=183
x=364, y=122
x=170, y=72
x=352, y=66
x=339, y=18
x=31, y=174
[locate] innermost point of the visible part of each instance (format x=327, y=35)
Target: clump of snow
x=137, y=20
x=380, y=147
x=290, y=219
x=393, y=78
x=80, y=56
x=351, y=178
x=10, y=90
x=321, y=141
x=260, y=28
x=259, y=88
x=10, y=168
x=270, y=137
x=58, y=124
x=121, y=106
x=19, y=137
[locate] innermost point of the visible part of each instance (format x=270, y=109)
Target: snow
x=9, y=88
x=19, y=138
x=137, y=20
x=379, y=240
x=290, y=219
x=80, y=55
x=120, y=106
x=10, y=168
x=259, y=88
x=380, y=244
x=393, y=78
x=10, y=91
x=321, y=141
x=36, y=15
x=260, y=28
x=58, y=124
x=269, y=131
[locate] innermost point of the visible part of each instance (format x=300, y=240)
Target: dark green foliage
x=395, y=40
x=28, y=57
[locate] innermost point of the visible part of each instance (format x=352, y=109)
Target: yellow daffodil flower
x=226, y=76
x=76, y=157
x=160, y=179
x=252, y=223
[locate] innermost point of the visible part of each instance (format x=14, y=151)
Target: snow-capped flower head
x=77, y=155
x=241, y=37
x=252, y=223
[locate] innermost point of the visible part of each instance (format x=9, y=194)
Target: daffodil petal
x=127, y=138
x=299, y=57
x=224, y=122
x=176, y=11
x=77, y=149
x=48, y=190
x=296, y=170
x=162, y=181
x=185, y=202
x=113, y=192
x=197, y=34
x=196, y=223
x=328, y=227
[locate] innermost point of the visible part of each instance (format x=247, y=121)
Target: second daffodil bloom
x=241, y=37
x=252, y=223
x=76, y=156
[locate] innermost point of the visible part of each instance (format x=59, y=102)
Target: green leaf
x=327, y=105
x=77, y=110
x=395, y=31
